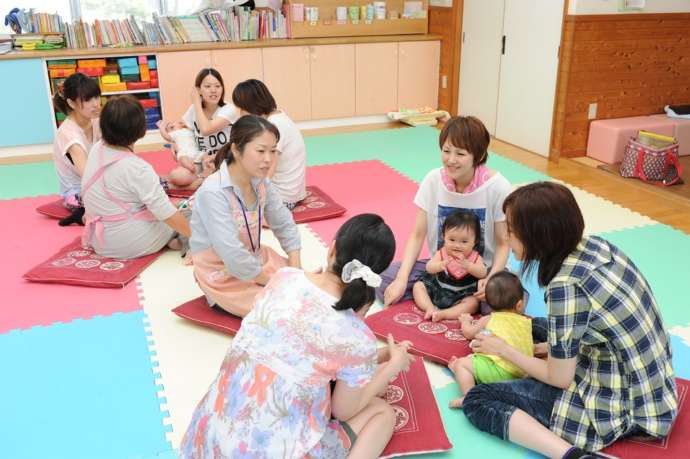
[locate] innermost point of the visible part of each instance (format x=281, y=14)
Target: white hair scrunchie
x=355, y=269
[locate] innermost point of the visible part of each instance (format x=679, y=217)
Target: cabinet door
x=176, y=74
x=287, y=75
x=418, y=64
x=332, y=81
x=376, y=78
x=236, y=65
x=26, y=117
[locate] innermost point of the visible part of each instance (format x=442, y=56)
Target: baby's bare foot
x=456, y=403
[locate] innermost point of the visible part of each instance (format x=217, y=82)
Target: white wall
x=611, y=7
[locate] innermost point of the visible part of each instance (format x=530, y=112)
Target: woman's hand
x=480, y=294
x=398, y=355
x=488, y=344
x=394, y=292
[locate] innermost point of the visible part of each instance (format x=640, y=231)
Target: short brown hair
x=469, y=133
x=254, y=97
x=122, y=121
x=547, y=221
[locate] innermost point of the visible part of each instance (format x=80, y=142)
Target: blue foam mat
x=84, y=389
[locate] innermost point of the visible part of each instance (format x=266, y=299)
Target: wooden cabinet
x=237, y=65
x=376, y=78
x=287, y=74
x=332, y=81
x=176, y=73
x=418, y=65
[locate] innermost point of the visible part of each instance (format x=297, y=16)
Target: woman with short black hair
x=128, y=214
x=608, y=372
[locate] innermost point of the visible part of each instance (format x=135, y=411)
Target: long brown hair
x=244, y=131
x=203, y=73
x=546, y=219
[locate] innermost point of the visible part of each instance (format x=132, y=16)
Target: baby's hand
x=465, y=317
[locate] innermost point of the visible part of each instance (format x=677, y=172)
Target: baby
x=505, y=295
x=192, y=164
x=446, y=289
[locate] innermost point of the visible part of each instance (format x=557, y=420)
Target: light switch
x=592, y=112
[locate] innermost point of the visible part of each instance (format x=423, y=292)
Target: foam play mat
x=115, y=373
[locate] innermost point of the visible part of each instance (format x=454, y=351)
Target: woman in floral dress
x=272, y=397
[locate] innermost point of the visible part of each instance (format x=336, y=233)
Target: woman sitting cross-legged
x=608, y=374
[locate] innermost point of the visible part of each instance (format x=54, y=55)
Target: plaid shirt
x=601, y=311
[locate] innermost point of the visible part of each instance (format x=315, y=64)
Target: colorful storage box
x=154, y=82
x=152, y=64
x=135, y=85
x=144, y=72
x=110, y=79
x=114, y=87
x=91, y=71
x=149, y=103
x=61, y=73
x=127, y=62
x=607, y=138
x=91, y=62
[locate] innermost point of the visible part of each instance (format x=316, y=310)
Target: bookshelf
x=116, y=75
x=328, y=26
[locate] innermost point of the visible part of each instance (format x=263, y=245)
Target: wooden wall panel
x=629, y=64
x=447, y=22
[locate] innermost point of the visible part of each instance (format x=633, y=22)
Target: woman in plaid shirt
x=608, y=373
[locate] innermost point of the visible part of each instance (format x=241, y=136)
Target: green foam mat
x=411, y=151
x=662, y=254
x=467, y=440
x=28, y=180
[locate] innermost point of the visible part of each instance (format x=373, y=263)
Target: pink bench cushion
x=681, y=131
x=673, y=446
x=607, y=138
x=418, y=425
x=198, y=311
x=436, y=341
x=54, y=209
x=75, y=265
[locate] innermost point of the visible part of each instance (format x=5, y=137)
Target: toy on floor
x=425, y=116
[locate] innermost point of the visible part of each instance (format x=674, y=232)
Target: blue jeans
x=489, y=406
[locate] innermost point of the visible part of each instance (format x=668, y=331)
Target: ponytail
x=368, y=239
x=60, y=103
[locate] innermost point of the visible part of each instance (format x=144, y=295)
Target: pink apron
x=234, y=295
x=93, y=226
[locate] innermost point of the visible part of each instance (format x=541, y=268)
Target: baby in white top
x=192, y=164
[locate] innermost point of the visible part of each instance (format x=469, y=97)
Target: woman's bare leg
x=374, y=428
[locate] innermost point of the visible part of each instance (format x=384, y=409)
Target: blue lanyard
x=246, y=221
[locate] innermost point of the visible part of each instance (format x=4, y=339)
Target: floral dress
x=271, y=398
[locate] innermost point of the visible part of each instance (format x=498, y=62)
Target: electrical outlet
x=592, y=112
x=444, y=81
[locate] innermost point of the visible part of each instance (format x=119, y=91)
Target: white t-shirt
x=210, y=144
x=290, y=174
x=70, y=133
x=486, y=202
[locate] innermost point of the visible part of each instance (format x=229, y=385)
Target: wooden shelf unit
x=328, y=27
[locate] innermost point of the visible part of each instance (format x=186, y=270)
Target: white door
x=529, y=68
x=482, y=29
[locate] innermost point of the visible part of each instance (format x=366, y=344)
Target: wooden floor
x=639, y=197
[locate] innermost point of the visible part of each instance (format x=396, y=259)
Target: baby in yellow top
x=504, y=293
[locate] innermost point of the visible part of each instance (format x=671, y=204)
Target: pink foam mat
x=162, y=161
x=28, y=239
x=367, y=187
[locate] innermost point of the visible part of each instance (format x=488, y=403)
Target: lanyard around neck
x=246, y=221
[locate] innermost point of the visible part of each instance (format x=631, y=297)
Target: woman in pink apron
x=128, y=214
x=230, y=264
